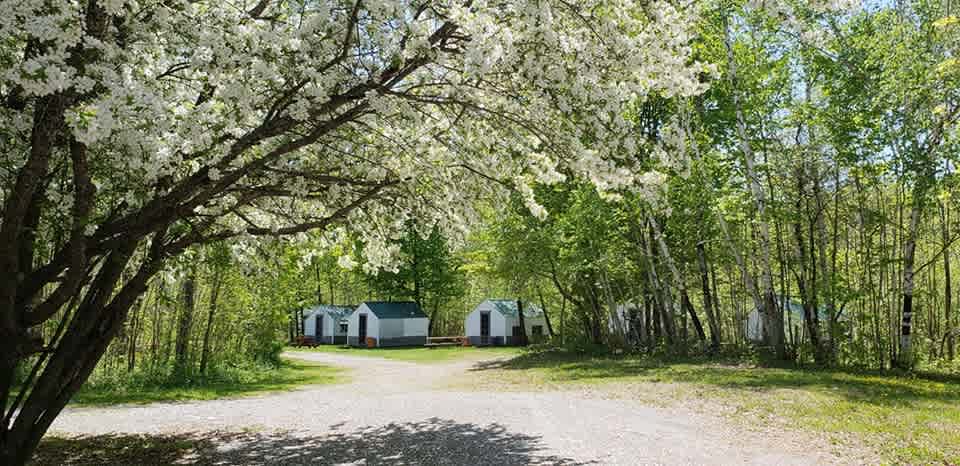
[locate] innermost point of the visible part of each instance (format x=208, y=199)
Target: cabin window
x=538, y=330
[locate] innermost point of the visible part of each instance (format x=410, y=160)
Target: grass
x=143, y=450
x=290, y=374
x=906, y=418
x=418, y=354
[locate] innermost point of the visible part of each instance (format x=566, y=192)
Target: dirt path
x=399, y=413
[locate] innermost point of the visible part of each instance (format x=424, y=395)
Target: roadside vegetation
x=225, y=382
x=907, y=417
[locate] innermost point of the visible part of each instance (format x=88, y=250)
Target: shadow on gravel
x=430, y=442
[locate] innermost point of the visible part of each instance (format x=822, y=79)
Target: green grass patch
x=245, y=381
x=420, y=354
x=907, y=418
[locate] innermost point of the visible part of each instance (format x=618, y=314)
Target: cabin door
x=485, y=328
x=362, y=330
x=319, y=328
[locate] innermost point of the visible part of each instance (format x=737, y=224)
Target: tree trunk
x=905, y=357
x=806, y=275
x=826, y=268
x=773, y=320
x=211, y=314
x=185, y=323
x=678, y=278
x=136, y=324
x=523, y=326
x=948, y=289
x=546, y=315
x=664, y=302
x=563, y=311
x=96, y=322
x=433, y=317
x=708, y=297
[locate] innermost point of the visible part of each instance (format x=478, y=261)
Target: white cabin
x=497, y=322
x=327, y=324
x=384, y=323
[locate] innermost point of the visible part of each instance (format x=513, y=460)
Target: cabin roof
x=395, y=309
x=335, y=312
x=508, y=307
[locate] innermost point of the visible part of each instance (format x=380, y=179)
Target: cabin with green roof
x=327, y=324
x=388, y=323
x=496, y=322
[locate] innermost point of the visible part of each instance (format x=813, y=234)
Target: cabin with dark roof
x=388, y=323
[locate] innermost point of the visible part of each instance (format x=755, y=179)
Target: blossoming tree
x=132, y=130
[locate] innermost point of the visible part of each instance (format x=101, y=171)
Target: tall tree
x=131, y=134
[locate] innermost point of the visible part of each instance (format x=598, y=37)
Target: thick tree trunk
x=96, y=322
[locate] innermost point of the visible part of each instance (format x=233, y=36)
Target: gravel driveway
x=398, y=413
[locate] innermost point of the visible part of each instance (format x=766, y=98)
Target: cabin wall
x=309, y=325
x=529, y=323
x=331, y=331
x=353, y=327
x=403, y=332
x=498, y=325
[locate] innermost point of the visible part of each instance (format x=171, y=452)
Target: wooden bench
x=434, y=342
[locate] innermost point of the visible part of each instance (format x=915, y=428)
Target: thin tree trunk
x=137, y=323
x=546, y=315
x=707, y=297
x=523, y=326
x=665, y=300
x=678, y=278
x=773, y=325
x=211, y=315
x=563, y=310
x=185, y=323
x=947, y=283
x=905, y=358
x=806, y=275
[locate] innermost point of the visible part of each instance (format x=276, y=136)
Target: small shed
x=388, y=323
x=496, y=322
x=327, y=324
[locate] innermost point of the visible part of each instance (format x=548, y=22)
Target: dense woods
x=180, y=180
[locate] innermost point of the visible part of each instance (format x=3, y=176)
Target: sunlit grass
x=288, y=375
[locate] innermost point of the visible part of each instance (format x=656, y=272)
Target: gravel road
x=399, y=413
